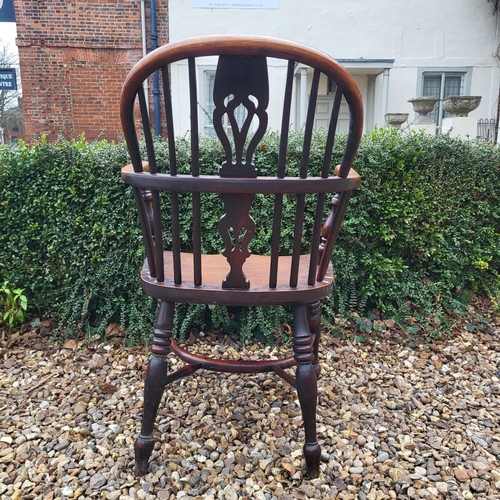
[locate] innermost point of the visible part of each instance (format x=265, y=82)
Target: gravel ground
x=394, y=422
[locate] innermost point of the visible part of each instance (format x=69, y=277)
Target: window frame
x=205, y=127
x=204, y=124
x=466, y=71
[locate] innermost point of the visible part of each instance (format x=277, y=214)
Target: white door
x=324, y=106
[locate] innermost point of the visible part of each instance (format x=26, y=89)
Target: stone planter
x=422, y=106
x=396, y=119
x=461, y=105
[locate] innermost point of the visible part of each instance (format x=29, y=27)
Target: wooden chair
x=299, y=280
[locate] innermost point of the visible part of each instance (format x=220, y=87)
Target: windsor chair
x=236, y=277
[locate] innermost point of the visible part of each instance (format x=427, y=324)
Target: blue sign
x=7, y=11
x=8, y=78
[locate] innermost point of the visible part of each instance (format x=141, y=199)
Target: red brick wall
x=74, y=56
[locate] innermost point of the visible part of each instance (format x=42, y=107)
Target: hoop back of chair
x=241, y=80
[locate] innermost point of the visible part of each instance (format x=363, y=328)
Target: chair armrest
x=127, y=169
x=352, y=173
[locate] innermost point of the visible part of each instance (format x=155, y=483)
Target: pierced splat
x=236, y=228
x=240, y=81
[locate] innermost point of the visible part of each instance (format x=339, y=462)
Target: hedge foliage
x=70, y=234
x=423, y=228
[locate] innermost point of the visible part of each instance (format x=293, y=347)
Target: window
x=208, y=109
x=209, y=106
x=331, y=87
x=441, y=84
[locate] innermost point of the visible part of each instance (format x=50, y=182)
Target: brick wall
x=74, y=56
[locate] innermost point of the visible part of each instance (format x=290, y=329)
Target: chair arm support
x=331, y=230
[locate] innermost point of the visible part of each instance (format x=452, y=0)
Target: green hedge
x=423, y=228
x=70, y=234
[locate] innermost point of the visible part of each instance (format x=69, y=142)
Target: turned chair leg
x=156, y=377
x=314, y=322
x=307, y=386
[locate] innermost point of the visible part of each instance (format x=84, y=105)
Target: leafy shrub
x=70, y=234
x=13, y=305
x=423, y=227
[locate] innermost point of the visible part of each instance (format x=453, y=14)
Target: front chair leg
x=314, y=322
x=156, y=377
x=307, y=386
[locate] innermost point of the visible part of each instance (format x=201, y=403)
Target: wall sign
x=235, y=4
x=7, y=11
x=8, y=79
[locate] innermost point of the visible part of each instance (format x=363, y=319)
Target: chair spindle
x=278, y=199
x=174, y=197
x=167, y=96
x=311, y=111
x=316, y=238
x=304, y=164
x=195, y=171
x=157, y=224
x=176, y=241
x=316, y=249
x=332, y=128
x=147, y=131
x=158, y=236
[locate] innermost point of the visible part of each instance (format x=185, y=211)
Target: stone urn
x=422, y=106
x=461, y=105
x=396, y=119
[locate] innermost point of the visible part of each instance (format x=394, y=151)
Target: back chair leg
x=307, y=388
x=156, y=377
x=314, y=321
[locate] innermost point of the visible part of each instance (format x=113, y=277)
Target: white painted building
x=395, y=49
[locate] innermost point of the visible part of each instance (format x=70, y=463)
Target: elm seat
x=236, y=276
x=211, y=291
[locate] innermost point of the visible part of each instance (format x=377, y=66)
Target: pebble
x=420, y=471
x=97, y=481
x=382, y=457
x=79, y=408
x=442, y=487
x=461, y=474
x=356, y=470
x=400, y=382
x=194, y=480
x=480, y=441
x=67, y=491
x=361, y=440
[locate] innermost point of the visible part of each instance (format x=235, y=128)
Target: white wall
x=180, y=86
x=415, y=33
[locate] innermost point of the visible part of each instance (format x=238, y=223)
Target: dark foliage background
x=422, y=231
